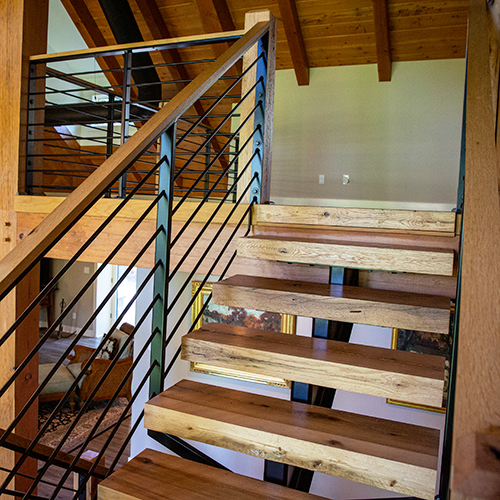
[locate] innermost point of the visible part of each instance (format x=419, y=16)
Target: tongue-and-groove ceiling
x=311, y=33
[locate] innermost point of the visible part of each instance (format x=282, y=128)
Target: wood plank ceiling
x=311, y=33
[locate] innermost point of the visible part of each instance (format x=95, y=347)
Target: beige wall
x=399, y=141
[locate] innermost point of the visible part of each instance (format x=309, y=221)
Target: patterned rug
x=59, y=425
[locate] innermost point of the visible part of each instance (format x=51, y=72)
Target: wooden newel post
x=262, y=117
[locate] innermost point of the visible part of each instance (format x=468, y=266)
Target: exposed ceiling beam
x=215, y=15
x=159, y=30
x=382, y=39
x=93, y=37
x=295, y=39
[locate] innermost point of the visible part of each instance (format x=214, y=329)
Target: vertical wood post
x=477, y=406
x=264, y=116
x=23, y=32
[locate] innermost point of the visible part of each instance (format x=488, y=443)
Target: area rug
x=60, y=424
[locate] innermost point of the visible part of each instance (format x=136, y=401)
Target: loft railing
x=168, y=237
x=77, y=119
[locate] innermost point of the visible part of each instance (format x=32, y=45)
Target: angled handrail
x=164, y=44
x=27, y=253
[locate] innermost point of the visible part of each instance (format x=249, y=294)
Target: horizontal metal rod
x=212, y=162
x=94, y=392
x=225, y=93
x=120, y=420
x=226, y=118
x=53, y=282
x=198, y=208
x=205, y=253
x=126, y=441
x=209, y=273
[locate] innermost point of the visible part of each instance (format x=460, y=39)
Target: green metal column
x=162, y=254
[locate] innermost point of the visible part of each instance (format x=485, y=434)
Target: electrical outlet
x=345, y=179
x=86, y=270
x=74, y=315
x=321, y=179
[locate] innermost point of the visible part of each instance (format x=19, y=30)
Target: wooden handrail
x=162, y=44
x=477, y=409
x=62, y=459
x=15, y=264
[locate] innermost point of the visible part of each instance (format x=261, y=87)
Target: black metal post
x=110, y=132
x=125, y=119
x=162, y=254
x=31, y=130
x=206, y=187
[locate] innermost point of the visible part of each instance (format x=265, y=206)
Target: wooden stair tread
x=157, y=476
x=403, y=220
x=413, y=311
x=390, y=455
x=406, y=376
x=325, y=252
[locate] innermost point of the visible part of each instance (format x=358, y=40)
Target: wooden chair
x=99, y=366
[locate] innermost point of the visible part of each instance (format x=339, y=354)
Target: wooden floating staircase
x=390, y=455
x=387, y=454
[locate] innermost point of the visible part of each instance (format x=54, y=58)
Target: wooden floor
x=52, y=350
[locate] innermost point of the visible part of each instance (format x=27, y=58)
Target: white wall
x=68, y=287
x=399, y=141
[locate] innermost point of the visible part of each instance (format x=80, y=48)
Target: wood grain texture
x=412, y=311
x=478, y=369
x=159, y=45
x=390, y=455
x=336, y=31
x=13, y=265
x=371, y=256
x=23, y=32
x=133, y=209
x=247, y=106
x=406, y=376
x=406, y=220
x=295, y=39
x=382, y=36
x=174, y=478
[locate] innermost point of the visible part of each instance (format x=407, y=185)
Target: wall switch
x=345, y=179
x=86, y=270
x=74, y=315
x=321, y=179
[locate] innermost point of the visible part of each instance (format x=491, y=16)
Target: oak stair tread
x=380, y=219
x=406, y=376
x=412, y=311
x=325, y=252
x=153, y=475
x=391, y=455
